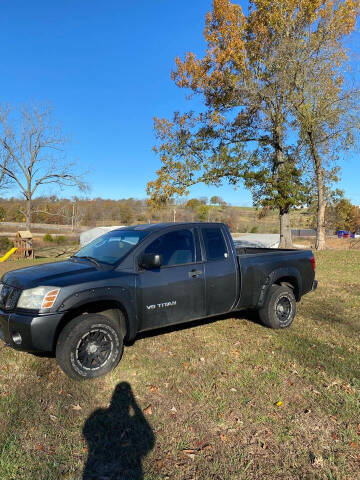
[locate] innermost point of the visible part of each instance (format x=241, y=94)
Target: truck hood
x=55, y=274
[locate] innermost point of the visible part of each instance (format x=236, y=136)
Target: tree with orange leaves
x=247, y=81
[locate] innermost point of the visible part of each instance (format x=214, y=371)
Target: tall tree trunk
x=285, y=226
x=321, y=203
x=28, y=213
x=285, y=230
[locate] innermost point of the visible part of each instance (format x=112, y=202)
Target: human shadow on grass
x=118, y=438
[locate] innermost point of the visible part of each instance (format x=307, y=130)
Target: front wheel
x=279, y=308
x=89, y=346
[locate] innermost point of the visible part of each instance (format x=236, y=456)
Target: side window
x=215, y=246
x=176, y=248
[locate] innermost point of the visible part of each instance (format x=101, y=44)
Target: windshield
x=113, y=246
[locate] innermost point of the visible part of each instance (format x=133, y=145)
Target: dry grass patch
x=226, y=399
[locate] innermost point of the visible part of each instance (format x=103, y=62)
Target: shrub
x=254, y=229
x=60, y=239
x=5, y=244
x=48, y=238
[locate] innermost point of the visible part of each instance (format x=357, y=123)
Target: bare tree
x=77, y=215
x=5, y=180
x=32, y=153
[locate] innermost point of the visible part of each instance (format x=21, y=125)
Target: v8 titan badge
x=161, y=305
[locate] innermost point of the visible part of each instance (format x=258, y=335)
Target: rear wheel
x=279, y=308
x=89, y=346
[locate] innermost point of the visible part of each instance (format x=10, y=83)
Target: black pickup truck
x=140, y=278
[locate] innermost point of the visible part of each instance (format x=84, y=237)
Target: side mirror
x=150, y=260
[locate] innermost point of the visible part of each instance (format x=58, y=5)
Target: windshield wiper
x=85, y=257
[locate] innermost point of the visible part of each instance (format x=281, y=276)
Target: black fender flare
x=117, y=295
x=290, y=273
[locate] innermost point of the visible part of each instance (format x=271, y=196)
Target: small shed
x=23, y=243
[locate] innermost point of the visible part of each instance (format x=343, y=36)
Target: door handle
x=195, y=273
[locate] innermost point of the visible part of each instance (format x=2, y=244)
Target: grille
x=8, y=296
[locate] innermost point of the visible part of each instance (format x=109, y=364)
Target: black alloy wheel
x=279, y=308
x=90, y=346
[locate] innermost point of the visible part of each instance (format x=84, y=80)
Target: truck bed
x=241, y=250
x=258, y=264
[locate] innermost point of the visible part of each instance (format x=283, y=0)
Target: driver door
x=175, y=292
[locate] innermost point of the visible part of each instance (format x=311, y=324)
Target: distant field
x=247, y=219
x=220, y=400
x=40, y=228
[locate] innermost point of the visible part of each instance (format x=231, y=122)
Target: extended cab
x=141, y=278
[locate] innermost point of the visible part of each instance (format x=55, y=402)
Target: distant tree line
x=75, y=212
x=85, y=211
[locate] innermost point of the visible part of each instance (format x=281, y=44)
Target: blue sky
x=105, y=67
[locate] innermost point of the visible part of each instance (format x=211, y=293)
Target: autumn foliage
x=248, y=81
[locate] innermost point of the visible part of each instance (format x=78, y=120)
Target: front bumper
x=29, y=333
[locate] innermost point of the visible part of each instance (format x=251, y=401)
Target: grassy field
x=242, y=219
x=227, y=399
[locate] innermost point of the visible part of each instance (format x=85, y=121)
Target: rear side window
x=176, y=248
x=215, y=246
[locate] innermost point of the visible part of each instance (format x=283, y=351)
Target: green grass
x=210, y=397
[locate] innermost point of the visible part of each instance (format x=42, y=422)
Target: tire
x=89, y=346
x=279, y=308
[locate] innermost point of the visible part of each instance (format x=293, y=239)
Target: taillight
x=312, y=260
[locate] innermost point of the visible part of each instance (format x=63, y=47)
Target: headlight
x=39, y=297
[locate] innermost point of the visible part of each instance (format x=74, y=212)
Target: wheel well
x=290, y=282
x=110, y=309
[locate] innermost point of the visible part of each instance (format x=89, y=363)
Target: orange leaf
x=190, y=451
x=153, y=388
x=148, y=410
x=159, y=464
